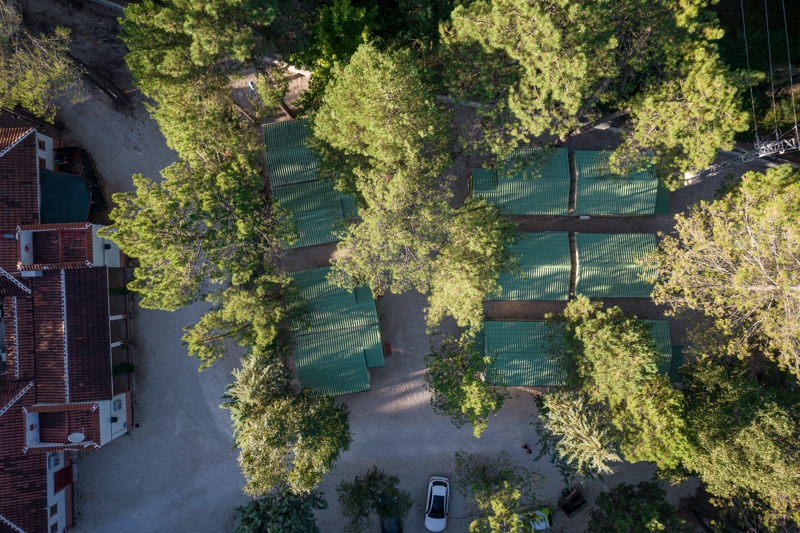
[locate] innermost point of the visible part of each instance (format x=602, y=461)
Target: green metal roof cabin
x=344, y=341
x=545, y=264
x=606, y=264
x=527, y=353
x=317, y=207
x=600, y=192
x=541, y=188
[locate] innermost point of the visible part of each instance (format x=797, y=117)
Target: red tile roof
x=10, y=136
x=88, y=335
x=19, y=193
x=12, y=286
x=18, y=316
x=48, y=338
x=35, y=343
x=23, y=478
x=61, y=421
x=60, y=248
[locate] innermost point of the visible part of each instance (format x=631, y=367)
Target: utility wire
x=771, y=78
x=747, y=57
x=789, y=57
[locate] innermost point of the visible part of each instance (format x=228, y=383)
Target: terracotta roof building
x=62, y=331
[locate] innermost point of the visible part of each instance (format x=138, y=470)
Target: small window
x=53, y=510
x=53, y=461
x=42, y=162
x=42, y=145
x=54, y=528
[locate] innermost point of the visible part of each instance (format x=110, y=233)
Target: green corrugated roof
x=340, y=312
x=594, y=164
x=544, y=260
x=660, y=333
x=522, y=356
x=285, y=135
x=309, y=196
x=331, y=307
x=599, y=192
x=332, y=347
x=316, y=206
x=605, y=248
x=342, y=345
x=344, y=340
x=313, y=284
x=295, y=165
x=342, y=378
x=662, y=199
x=523, y=352
x=607, y=264
x=316, y=227
x=550, y=163
x=317, y=209
x=540, y=189
x=612, y=281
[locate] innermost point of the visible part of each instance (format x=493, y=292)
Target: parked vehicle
x=437, y=504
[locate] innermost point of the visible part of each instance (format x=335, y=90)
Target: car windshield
x=437, y=509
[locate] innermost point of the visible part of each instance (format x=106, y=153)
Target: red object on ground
x=387, y=349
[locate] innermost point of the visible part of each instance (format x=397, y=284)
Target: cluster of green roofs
x=317, y=207
x=557, y=183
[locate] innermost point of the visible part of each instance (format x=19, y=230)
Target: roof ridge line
x=15, y=280
x=11, y=524
x=15, y=143
x=15, y=399
x=66, y=347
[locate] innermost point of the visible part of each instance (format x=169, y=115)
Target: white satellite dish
x=76, y=437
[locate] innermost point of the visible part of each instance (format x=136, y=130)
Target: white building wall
x=47, y=152
x=102, y=256
x=60, y=499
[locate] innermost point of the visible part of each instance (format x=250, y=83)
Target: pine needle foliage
x=36, y=68
x=502, y=493
x=545, y=67
x=374, y=492
x=384, y=139
x=736, y=260
x=578, y=439
x=280, y=511
x=456, y=376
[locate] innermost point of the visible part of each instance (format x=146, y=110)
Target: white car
x=437, y=503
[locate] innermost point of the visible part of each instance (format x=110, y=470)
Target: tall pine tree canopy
x=737, y=260
x=205, y=230
x=383, y=138
x=545, y=67
x=744, y=434
x=379, y=120
x=36, y=69
x=280, y=511
x=612, y=358
x=173, y=41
